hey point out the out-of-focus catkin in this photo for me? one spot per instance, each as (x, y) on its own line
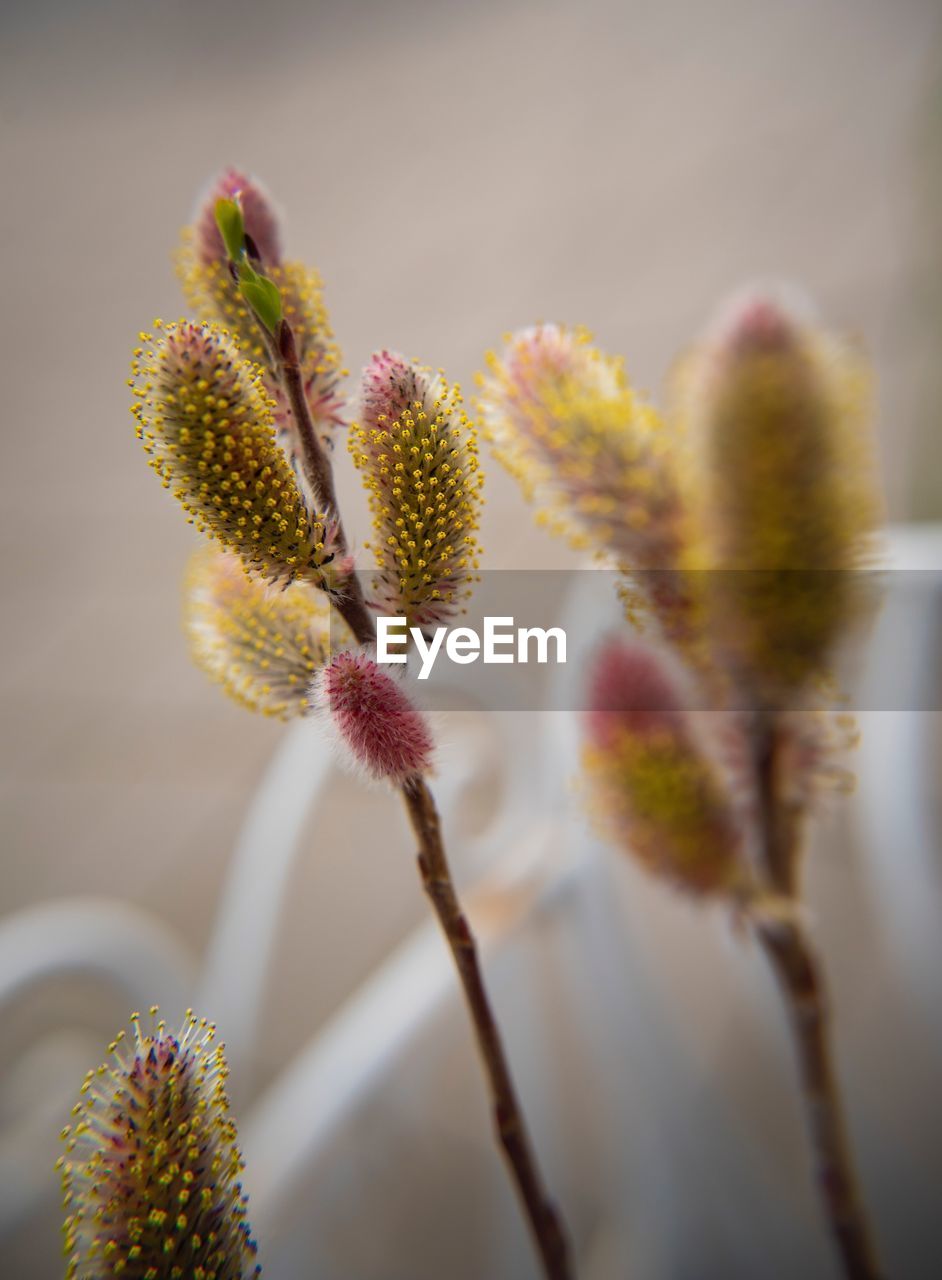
(778, 413)
(595, 458)
(654, 781)
(263, 645)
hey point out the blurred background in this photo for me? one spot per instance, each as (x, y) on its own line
(454, 171)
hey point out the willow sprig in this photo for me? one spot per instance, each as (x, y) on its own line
(761, 502)
(207, 415)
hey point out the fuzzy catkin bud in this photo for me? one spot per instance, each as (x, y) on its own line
(152, 1165)
(656, 791)
(417, 452)
(214, 296)
(264, 646)
(594, 457)
(383, 731)
(261, 221)
(779, 413)
(205, 419)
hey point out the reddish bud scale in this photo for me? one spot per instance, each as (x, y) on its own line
(261, 221)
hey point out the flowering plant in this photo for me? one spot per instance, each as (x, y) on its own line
(737, 525)
(237, 409)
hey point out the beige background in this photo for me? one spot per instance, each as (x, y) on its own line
(454, 170)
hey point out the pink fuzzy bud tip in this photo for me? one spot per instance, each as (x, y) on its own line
(390, 385)
(261, 223)
(545, 351)
(377, 722)
(629, 689)
(760, 319)
(657, 785)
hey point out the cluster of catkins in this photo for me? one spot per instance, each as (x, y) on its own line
(212, 413)
(739, 522)
(151, 1174)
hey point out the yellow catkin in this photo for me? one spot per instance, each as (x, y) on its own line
(417, 453)
(205, 418)
(779, 413)
(596, 460)
(264, 646)
(661, 776)
(564, 421)
(152, 1170)
(659, 799)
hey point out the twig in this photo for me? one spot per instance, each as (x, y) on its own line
(320, 477)
(801, 982)
(317, 469)
(545, 1223)
(508, 1118)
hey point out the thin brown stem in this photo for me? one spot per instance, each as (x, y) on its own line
(511, 1130)
(319, 474)
(782, 819)
(801, 981)
(317, 469)
(509, 1123)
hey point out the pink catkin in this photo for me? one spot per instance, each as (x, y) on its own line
(629, 689)
(384, 732)
(261, 222)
